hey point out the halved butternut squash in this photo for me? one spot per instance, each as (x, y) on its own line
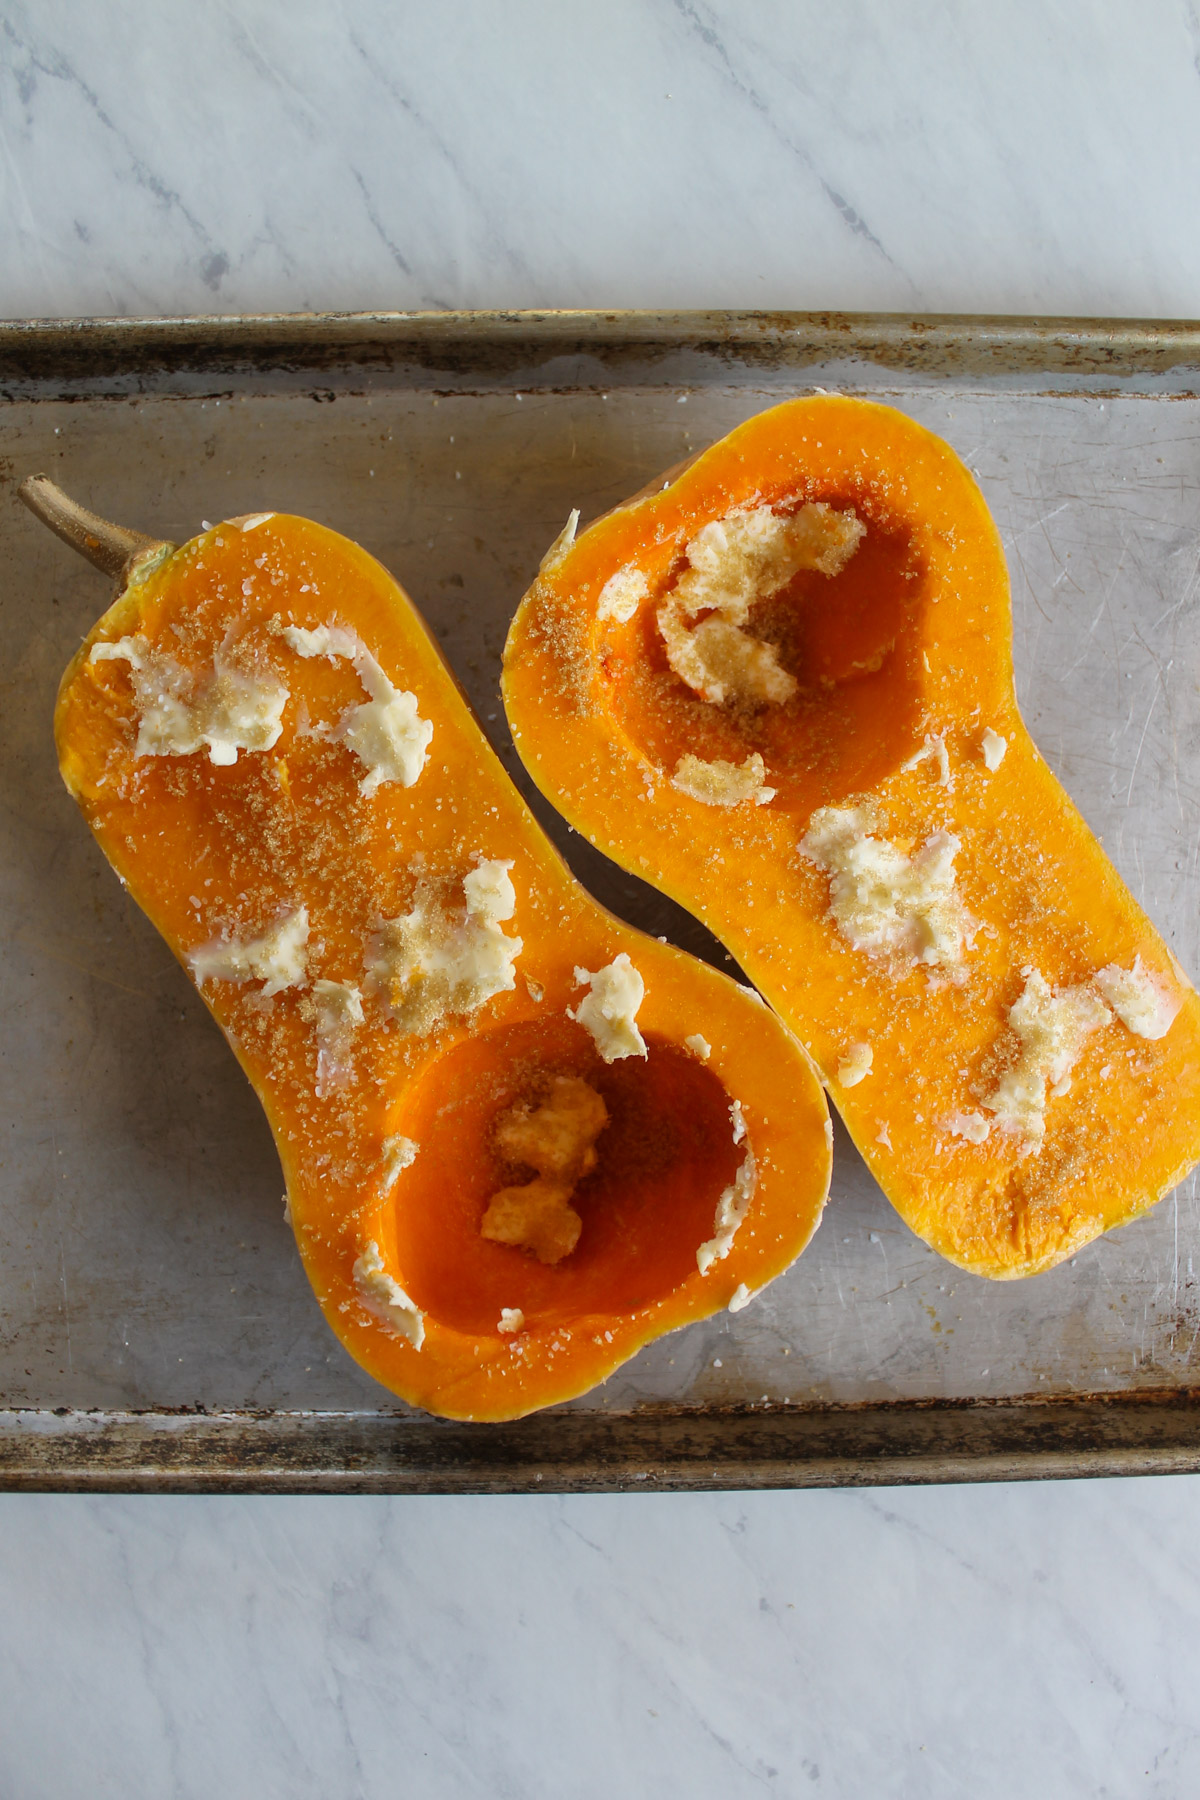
(779, 688)
(519, 1138)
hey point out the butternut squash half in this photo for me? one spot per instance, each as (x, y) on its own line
(520, 1139)
(779, 687)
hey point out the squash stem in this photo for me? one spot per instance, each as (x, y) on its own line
(110, 548)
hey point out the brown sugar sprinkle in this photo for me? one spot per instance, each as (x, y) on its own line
(557, 624)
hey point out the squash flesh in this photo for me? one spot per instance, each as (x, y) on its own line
(212, 851)
(904, 669)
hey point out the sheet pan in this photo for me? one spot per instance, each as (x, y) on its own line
(156, 1330)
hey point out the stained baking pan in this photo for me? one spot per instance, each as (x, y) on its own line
(156, 1330)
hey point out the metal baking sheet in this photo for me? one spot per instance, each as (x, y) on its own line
(156, 1329)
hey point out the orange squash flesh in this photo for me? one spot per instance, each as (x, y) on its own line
(910, 644)
(214, 852)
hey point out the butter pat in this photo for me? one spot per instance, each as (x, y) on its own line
(558, 1137)
(734, 1203)
(972, 1126)
(536, 1216)
(386, 1300)
(933, 749)
(609, 1011)
(561, 544)
(723, 783)
(277, 958)
(335, 1008)
(886, 903)
(386, 733)
(180, 712)
(1141, 1001)
(993, 747)
(558, 1141)
(1052, 1028)
(399, 1153)
(438, 960)
(622, 594)
(332, 641)
(855, 1065)
(733, 562)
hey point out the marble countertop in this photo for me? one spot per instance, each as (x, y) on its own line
(1036, 157)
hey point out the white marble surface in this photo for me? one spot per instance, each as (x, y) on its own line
(1003, 1644)
(1035, 156)
(1038, 155)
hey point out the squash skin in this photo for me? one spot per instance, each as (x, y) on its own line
(598, 719)
(288, 826)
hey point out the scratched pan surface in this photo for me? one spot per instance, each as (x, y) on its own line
(144, 1261)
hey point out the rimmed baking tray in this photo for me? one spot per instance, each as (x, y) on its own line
(156, 1331)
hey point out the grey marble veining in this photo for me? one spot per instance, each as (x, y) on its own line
(1035, 156)
(994, 1643)
(923, 1645)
